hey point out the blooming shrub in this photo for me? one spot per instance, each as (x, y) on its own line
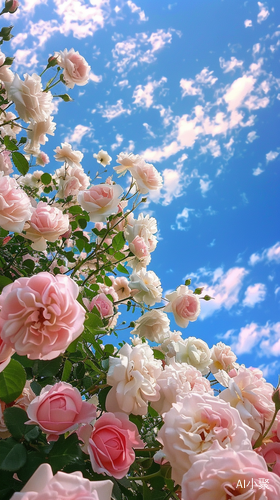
(82, 418)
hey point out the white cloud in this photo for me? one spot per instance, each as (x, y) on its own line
(29, 5)
(272, 155)
(252, 136)
(18, 39)
(149, 130)
(205, 185)
(224, 287)
(43, 30)
(257, 171)
(213, 147)
(271, 254)
(254, 294)
(248, 23)
(123, 83)
(263, 13)
(131, 52)
(173, 183)
(78, 133)
(95, 78)
(206, 77)
(26, 58)
(81, 19)
(119, 140)
(238, 90)
(183, 218)
(144, 95)
(231, 65)
(256, 48)
(266, 337)
(133, 7)
(113, 111)
(188, 87)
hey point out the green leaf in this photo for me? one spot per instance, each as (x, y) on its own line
(12, 455)
(46, 178)
(107, 281)
(152, 412)
(20, 162)
(118, 241)
(76, 209)
(80, 245)
(122, 269)
(93, 321)
(8, 61)
(158, 354)
(65, 451)
(12, 381)
(4, 281)
(82, 223)
(47, 368)
(15, 419)
(66, 371)
(102, 397)
(34, 459)
(10, 145)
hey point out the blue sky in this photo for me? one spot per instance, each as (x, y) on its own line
(195, 88)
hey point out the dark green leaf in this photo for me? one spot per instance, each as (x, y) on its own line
(118, 241)
(207, 297)
(188, 282)
(93, 321)
(122, 269)
(65, 97)
(20, 162)
(80, 245)
(46, 178)
(4, 281)
(47, 368)
(64, 452)
(10, 145)
(66, 370)
(12, 455)
(8, 61)
(15, 419)
(12, 381)
(75, 209)
(82, 223)
(102, 397)
(198, 291)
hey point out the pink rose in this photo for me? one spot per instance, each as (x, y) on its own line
(103, 304)
(40, 316)
(43, 485)
(220, 474)
(271, 454)
(76, 69)
(111, 444)
(184, 304)
(31, 103)
(5, 355)
(147, 177)
(47, 223)
(100, 201)
(58, 409)
(15, 205)
(5, 163)
(42, 159)
(139, 247)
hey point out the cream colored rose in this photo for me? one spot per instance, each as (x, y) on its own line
(153, 325)
(195, 352)
(66, 154)
(222, 358)
(15, 205)
(6, 75)
(103, 158)
(148, 285)
(32, 104)
(36, 135)
(133, 376)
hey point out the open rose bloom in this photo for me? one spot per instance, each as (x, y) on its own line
(43, 485)
(40, 316)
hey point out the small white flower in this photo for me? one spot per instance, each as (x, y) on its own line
(103, 158)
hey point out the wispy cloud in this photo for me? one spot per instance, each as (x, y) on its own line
(78, 133)
(143, 95)
(133, 7)
(248, 23)
(266, 337)
(252, 136)
(111, 111)
(271, 254)
(254, 294)
(263, 12)
(230, 65)
(119, 140)
(272, 155)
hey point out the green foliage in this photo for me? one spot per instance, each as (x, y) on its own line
(12, 381)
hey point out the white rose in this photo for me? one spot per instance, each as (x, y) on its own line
(195, 352)
(15, 205)
(6, 75)
(133, 378)
(66, 154)
(153, 325)
(149, 286)
(36, 135)
(145, 227)
(103, 158)
(222, 358)
(32, 104)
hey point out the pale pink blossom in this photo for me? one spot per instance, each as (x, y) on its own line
(42, 159)
(133, 376)
(178, 379)
(121, 287)
(15, 205)
(36, 135)
(47, 223)
(191, 426)
(71, 181)
(184, 304)
(44, 486)
(66, 154)
(103, 304)
(144, 227)
(222, 358)
(31, 103)
(139, 248)
(59, 408)
(127, 162)
(147, 178)
(75, 68)
(5, 162)
(251, 395)
(154, 325)
(103, 158)
(220, 474)
(111, 443)
(6, 75)
(100, 201)
(11, 127)
(40, 316)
